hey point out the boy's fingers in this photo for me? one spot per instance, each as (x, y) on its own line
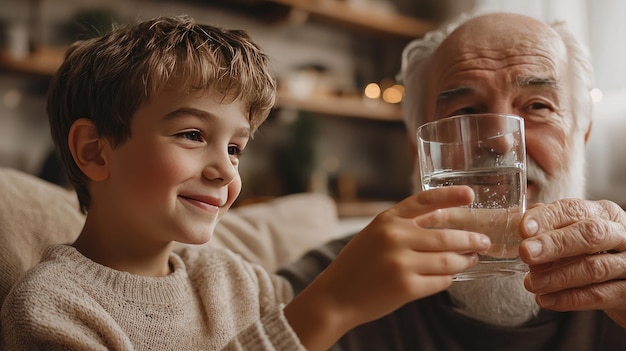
(451, 240)
(431, 200)
(445, 263)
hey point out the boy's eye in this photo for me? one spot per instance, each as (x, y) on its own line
(192, 135)
(234, 150)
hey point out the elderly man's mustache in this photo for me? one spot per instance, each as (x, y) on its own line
(535, 174)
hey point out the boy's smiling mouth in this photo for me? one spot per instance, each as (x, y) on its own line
(208, 203)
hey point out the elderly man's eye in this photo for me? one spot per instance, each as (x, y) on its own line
(465, 111)
(538, 106)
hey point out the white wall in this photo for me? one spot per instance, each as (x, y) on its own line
(607, 33)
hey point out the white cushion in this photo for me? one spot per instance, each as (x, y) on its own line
(35, 213)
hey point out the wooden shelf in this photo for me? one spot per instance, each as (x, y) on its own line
(341, 12)
(45, 62)
(342, 107)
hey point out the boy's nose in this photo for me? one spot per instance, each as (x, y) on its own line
(220, 169)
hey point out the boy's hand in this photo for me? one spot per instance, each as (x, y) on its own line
(397, 258)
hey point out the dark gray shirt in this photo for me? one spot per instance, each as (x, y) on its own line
(432, 324)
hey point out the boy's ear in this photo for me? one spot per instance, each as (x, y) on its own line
(87, 149)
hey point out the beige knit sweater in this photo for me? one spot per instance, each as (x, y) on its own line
(212, 300)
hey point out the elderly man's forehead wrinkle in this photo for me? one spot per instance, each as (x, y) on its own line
(468, 46)
(541, 82)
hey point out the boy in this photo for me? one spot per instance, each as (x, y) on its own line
(150, 121)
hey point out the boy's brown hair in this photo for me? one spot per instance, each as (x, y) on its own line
(107, 79)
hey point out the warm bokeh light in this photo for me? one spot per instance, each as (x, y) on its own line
(372, 91)
(393, 94)
(596, 95)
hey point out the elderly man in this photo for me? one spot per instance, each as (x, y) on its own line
(574, 297)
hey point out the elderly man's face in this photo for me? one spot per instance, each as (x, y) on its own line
(505, 63)
(492, 66)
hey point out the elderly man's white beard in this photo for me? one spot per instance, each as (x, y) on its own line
(504, 300)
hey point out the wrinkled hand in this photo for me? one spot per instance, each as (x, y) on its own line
(397, 258)
(576, 251)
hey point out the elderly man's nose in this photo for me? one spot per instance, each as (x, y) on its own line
(497, 136)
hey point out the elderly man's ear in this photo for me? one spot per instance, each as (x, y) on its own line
(88, 149)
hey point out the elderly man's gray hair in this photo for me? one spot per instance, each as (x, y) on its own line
(417, 52)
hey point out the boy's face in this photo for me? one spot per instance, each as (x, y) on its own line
(178, 173)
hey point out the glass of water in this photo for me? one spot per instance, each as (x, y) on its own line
(486, 152)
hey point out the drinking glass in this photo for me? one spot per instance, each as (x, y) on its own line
(486, 152)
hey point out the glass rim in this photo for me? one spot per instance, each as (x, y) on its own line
(463, 116)
(487, 114)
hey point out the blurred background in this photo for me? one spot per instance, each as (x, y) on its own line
(336, 127)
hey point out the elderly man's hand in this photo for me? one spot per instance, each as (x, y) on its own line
(576, 251)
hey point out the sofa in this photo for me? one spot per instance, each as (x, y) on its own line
(35, 213)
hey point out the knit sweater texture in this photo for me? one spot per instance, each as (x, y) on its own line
(213, 300)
